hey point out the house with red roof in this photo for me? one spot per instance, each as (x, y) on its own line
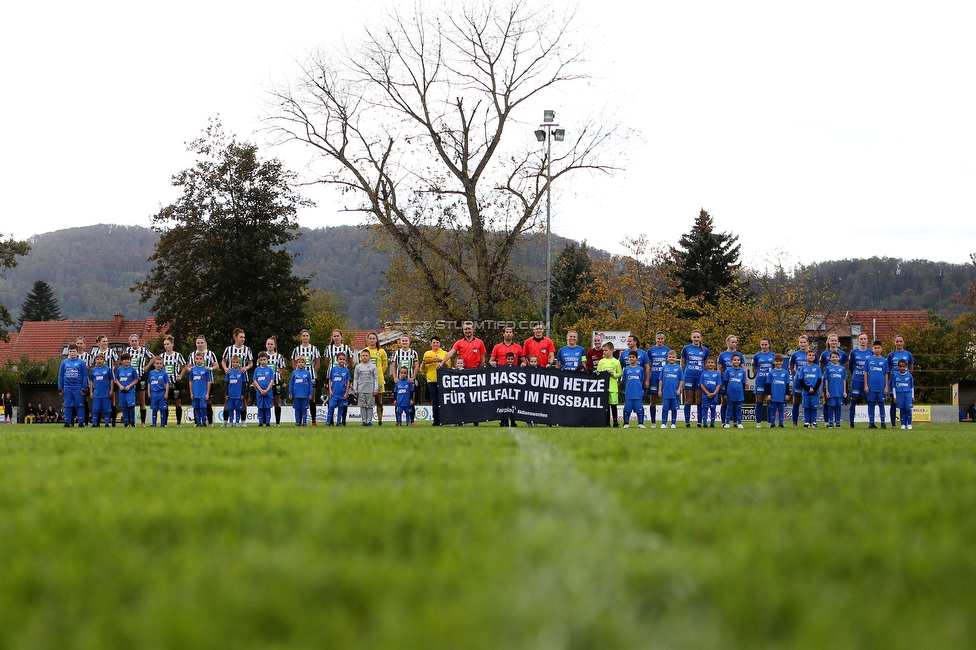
(42, 340)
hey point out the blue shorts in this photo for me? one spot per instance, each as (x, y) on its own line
(655, 381)
(835, 401)
(760, 388)
(904, 400)
(876, 396)
(692, 380)
(857, 387)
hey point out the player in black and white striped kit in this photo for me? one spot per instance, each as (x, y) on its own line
(331, 354)
(404, 357)
(313, 360)
(210, 361)
(175, 366)
(242, 352)
(111, 360)
(141, 357)
(276, 362)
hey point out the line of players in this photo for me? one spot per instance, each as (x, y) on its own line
(718, 381)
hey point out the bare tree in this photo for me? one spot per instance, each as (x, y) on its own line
(416, 122)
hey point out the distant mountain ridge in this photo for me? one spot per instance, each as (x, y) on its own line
(91, 269)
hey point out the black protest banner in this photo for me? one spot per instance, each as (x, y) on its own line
(539, 395)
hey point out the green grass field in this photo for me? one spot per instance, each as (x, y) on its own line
(487, 538)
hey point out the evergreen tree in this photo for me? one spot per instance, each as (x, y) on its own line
(572, 271)
(10, 249)
(706, 261)
(220, 262)
(40, 304)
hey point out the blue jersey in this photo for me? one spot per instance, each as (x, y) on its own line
(735, 384)
(877, 373)
(857, 364)
(73, 375)
(339, 381)
(633, 378)
(101, 381)
(809, 377)
(658, 356)
(902, 382)
(300, 384)
(710, 380)
(125, 376)
(264, 377)
(570, 358)
(778, 382)
(200, 378)
(797, 360)
(158, 380)
(235, 383)
(404, 392)
(671, 377)
(836, 378)
(762, 363)
(903, 355)
(825, 357)
(642, 358)
(725, 360)
(693, 359)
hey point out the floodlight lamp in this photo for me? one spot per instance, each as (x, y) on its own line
(548, 116)
(559, 134)
(540, 135)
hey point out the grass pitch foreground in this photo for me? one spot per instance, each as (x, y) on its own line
(487, 538)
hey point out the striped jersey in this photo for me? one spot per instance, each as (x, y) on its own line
(276, 362)
(111, 358)
(332, 351)
(310, 353)
(173, 363)
(243, 353)
(140, 358)
(401, 358)
(209, 358)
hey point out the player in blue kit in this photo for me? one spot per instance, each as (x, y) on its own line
(762, 363)
(72, 382)
(835, 389)
(876, 383)
(724, 363)
(570, 356)
(809, 379)
(339, 381)
(403, 389)
(633, 380)
(833, 345)
(902, 393)
(734, 379)
(710, 383)
(299, 389)
(234, 404)
(777, 390)
(158, 383)
(797, 360)
(692, 363)
(857, 365)
(127, 380)
(102, 386)
(201, 380)
(264, 383)
(658, 356)
(896, 355)
(669, 387)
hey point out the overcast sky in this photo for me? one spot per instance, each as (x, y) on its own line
(831, 130)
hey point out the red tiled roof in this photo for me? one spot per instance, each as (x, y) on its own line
(7, 347)
(41, 340)
(882, 325)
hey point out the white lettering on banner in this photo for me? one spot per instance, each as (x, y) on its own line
(450, 380)
(582, 385)
(491, 395)
(574, 401)
(545, 381)
(503, 377)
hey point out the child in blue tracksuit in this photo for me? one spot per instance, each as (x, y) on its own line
(404, 396)
(902, 393)
(633, 379)
(835, 379)
(710, 383)
(299, 389)
(809, 378)
(102, 387)
(264, 380)
(735, 389)
(670, 387)
(778, 383)
(72, 381)
(340, 380)
(235, 394)
(159, 392)
(201, 380)
(876, 383)
(127, 378)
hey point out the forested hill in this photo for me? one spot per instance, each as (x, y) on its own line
(92, 268)
(894, 284)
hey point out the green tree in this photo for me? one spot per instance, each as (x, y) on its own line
(422, 123)
(39, 305)
(572, 272)
(706, 262)
(220, 262)
(324, 313)
(10, 249)
(945, 352)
